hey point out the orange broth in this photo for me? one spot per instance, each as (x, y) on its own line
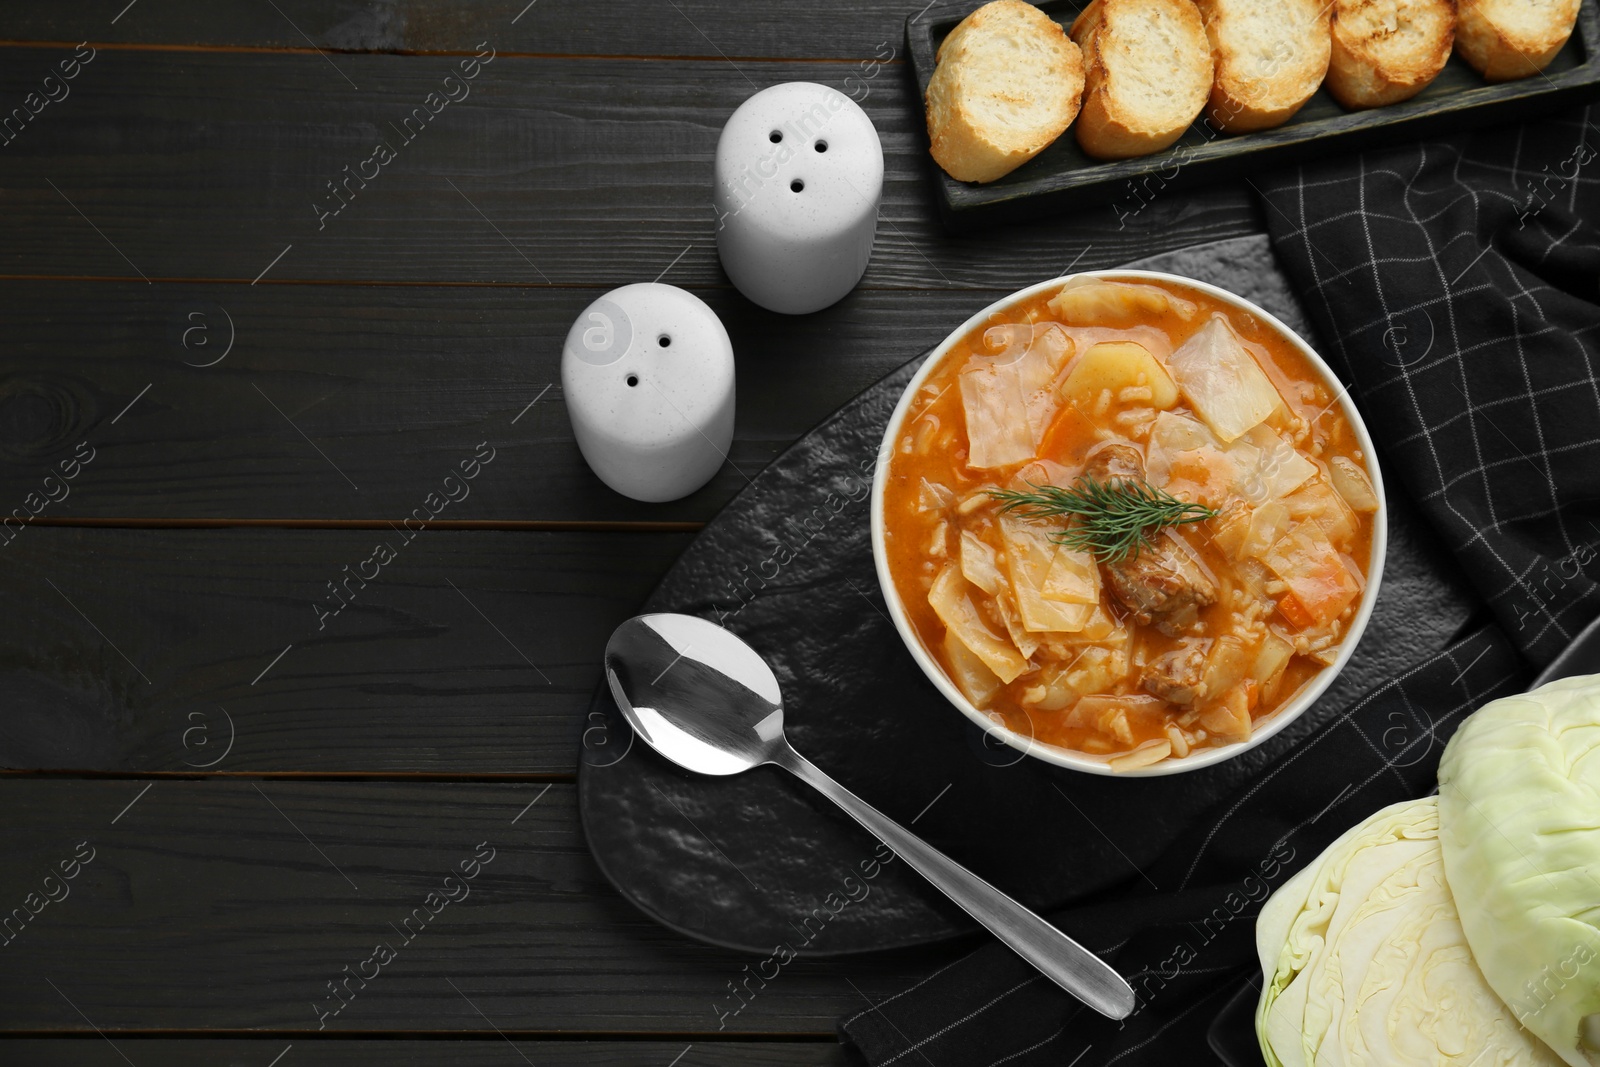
(1256, 613)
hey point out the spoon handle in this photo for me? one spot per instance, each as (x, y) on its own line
(1061, 959)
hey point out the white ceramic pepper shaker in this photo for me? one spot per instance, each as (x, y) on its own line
(798, 178)
(648, 375)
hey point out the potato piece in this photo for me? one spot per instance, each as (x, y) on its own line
(1116, 304)
(1116, 365)
(1353, 484)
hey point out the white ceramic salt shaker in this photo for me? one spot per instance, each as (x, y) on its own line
(798, 178)
(648, 375)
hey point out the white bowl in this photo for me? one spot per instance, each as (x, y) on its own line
(1082, 761)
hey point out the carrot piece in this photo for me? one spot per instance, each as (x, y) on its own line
(1068, 437)
(1252, 694)
(1290, 608)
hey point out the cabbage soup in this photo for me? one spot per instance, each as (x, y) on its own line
(1128, 519)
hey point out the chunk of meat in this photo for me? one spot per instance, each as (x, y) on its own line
(1161, 585)
(1114, 464)
(1176, 676)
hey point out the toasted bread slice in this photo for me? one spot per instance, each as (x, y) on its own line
(1385, 51)
(1506, 39)
(1007, 84)
(1147, 74)
(1270, 57)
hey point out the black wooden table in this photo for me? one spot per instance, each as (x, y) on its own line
(223, 383)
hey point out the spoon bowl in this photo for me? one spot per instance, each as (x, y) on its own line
(695, 693)
(708, 702)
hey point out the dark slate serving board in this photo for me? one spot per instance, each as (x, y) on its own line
(757, 860)
(1064, 178)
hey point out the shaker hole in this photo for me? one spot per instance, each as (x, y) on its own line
(797, 185)
(665, 340)
(775, 136)
(821, 146)
(633, 380)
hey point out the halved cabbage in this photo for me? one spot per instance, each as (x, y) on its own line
(1223, 381)
(1519, 799)
(1366, 962)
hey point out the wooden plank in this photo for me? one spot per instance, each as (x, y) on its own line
(238, 903)
(827, 29)
(488, 1051)
(149, 650)
(392, 387)
(563, 172)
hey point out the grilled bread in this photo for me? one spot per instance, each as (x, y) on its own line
(1506, 39)
(1385, 51)
(1007, 84)
(1270, 57)
(1147, 74)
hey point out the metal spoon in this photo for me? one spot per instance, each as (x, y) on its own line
(708, 702)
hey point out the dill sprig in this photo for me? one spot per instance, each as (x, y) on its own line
(1113, 521)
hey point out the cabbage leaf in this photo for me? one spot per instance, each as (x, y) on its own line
(1007, 398)
(1519, 798)
(1223, 381)
(951, 600)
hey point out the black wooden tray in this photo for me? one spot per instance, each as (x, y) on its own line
(757, 860)
(1063, 178)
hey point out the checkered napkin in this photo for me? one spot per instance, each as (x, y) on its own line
(1458, 285)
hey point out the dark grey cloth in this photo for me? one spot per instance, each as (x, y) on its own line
(1457, 285)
